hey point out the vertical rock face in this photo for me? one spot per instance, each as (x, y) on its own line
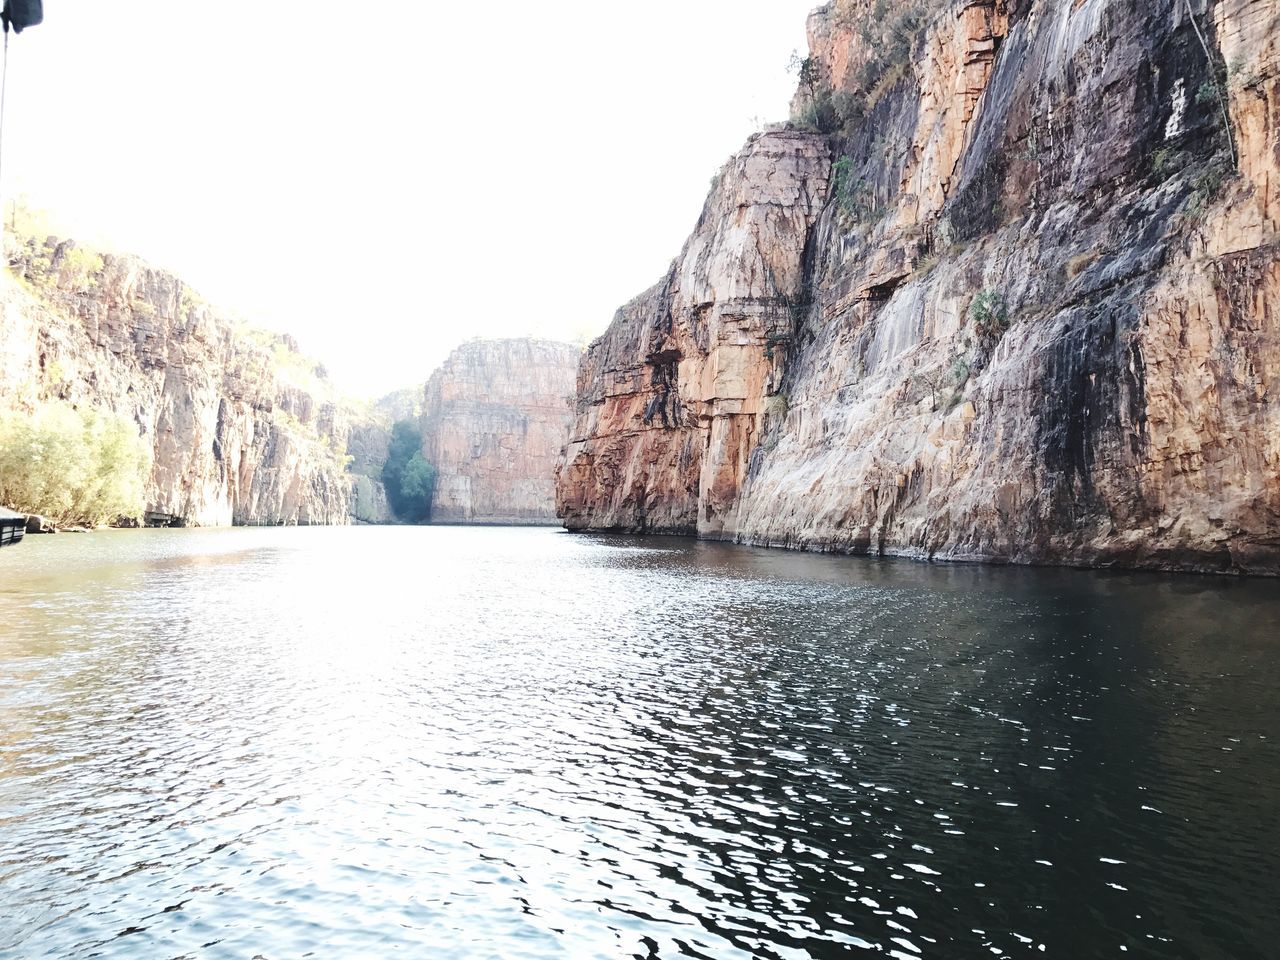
(495, 417)
(1034, 304)
(243, 428)
(671, 400)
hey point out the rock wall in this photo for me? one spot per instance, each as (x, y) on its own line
(495, 417)
(672, 398)
(243, 428)
(1011, 298)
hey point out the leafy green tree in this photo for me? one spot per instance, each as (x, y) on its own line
(409, 479)
(808, 71)
(417, 484)
(72, 465)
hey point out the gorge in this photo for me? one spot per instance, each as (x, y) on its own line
(1003, 289)
(244, 429)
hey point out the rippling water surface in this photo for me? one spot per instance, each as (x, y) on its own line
(456, 743)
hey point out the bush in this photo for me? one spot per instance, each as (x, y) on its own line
(819, 116)
(1079, 264)
(1207, 93)
(79, 269)
(854, 195)
(990, 314)
(1207, 187)
(73, 466)
(1167, 161)
(409, 479)
(889, 31)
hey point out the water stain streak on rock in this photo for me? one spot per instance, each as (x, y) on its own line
(1020, 307)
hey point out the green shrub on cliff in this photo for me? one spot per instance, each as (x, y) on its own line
(79, 269)
(73, 466)
(409, 479)
(889, 31)
(818, 113)
(990, 314)
(853, 195)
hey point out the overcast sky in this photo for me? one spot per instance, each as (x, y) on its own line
(386, 180)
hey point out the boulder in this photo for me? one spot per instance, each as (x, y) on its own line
(39, 524)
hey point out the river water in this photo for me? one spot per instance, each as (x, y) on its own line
(509, 743)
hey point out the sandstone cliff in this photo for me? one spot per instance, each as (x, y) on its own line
(495, 417)
(1005, 289)
(243, 428)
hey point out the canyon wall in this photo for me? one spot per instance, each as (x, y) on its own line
(495, 417)
(243, 428)
(1006, 288)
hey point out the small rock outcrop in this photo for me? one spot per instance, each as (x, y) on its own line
(495, 417)
(1005, 289)
(243, 428)
(38, 524)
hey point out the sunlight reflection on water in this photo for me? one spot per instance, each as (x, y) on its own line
(520, 743)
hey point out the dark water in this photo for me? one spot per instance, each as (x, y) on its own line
(517, 743)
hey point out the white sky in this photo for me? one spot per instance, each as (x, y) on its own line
(387, 180)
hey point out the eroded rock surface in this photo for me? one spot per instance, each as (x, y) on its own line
(495, 417)
(1021, 306)
(243, 428)
(671, 400)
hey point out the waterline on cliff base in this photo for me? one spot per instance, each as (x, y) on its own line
(520, 743)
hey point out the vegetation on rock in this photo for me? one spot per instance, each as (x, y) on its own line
(888, 32)
(408, 478)
(990, 313)
(853, 195)
(245, 428)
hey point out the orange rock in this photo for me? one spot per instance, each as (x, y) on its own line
(495, 417)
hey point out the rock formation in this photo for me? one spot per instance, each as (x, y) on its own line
(1006, 290)
(495, 417)
(243, 428)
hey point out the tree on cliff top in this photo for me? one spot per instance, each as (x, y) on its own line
(409, 479)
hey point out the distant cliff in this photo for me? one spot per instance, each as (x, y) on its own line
(1005, 288)
(243, 428)
(495, 417)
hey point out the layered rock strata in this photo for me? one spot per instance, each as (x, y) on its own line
(243, 428)
(495, 417)
(1012, 297)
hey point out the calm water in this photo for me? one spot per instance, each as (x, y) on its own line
(519, 743)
